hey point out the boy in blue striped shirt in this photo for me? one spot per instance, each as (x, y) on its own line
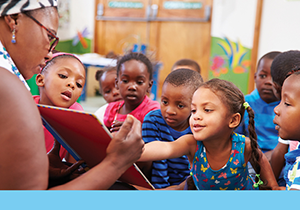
(171, 122)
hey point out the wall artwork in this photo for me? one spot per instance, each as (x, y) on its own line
(232, 40)
(75, 26)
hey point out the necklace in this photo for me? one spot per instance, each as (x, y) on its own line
(12, 66)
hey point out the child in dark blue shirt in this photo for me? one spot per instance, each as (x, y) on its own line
(171, 122)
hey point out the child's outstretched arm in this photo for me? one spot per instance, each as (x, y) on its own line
(158, 150)
(266, 172)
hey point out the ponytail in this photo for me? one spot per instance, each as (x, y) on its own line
(255, 154)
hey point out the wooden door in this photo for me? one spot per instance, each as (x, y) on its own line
(171, 34)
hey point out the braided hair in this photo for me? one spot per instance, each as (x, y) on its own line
(56, 57)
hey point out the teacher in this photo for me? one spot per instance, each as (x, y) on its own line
(27, 37)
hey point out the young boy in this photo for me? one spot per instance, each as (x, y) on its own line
(287, 123)
(170, 122)
(282, 65)
(187, 64)
(263, 101)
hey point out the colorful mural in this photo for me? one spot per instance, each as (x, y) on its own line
(230, 60)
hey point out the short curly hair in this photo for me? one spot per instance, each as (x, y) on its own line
(136, 56)
(187, 62)
(184, 77)
(283, 64)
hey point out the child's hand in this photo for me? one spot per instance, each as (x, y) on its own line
(59, 170)
(116, 126)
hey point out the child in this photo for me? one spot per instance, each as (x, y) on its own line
(218, 156)
(287, 123)
(281, 66)
(107, 80)
(60, 84)
(187, 64)
(134, 81)
(263, 101)
(171, 122)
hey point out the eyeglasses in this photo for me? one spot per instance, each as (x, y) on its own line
(53, 39)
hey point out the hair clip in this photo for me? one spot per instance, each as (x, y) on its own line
(259, 181)
(246, 105)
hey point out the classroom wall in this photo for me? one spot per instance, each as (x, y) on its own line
(75, 15)
(76, 26)
(168, 38)
(279, 26)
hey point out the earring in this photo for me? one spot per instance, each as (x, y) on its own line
(13, 38)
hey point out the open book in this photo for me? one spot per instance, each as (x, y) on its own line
(86, 138)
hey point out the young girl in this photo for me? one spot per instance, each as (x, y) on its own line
(60, 84)
(134, 81)
(107, 83)
(287, 124)
(218, 156)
